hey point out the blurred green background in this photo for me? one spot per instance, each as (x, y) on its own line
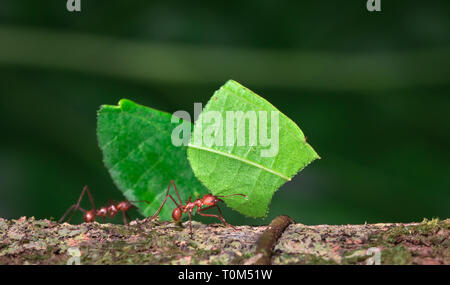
(370, 91)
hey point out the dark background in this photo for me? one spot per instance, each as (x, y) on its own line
(370, 91)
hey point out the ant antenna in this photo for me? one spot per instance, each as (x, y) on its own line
(140, 201)
(224, 196)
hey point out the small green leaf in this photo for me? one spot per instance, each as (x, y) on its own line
(139, 154)
(228, 169)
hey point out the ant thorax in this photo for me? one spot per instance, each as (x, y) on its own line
(112, 210)
(190, 206)
(198, 203)
(102, 212)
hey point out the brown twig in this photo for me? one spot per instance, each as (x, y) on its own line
(268, 240)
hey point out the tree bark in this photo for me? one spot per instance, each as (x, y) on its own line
(30, 241)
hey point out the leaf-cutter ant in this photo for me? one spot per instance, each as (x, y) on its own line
(208, 200)
(108, 211)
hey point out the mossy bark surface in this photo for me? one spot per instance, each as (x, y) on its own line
(30, 241)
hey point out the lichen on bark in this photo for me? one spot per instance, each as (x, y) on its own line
(31, 241)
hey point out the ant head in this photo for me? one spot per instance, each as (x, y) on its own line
(124, 206)
(89, 216)
(176, 214)
(210, 200)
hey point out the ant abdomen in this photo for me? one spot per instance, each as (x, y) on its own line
(89, 216)
(176, 214)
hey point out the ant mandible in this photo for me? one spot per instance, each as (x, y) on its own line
(208, 200)
(109, 211)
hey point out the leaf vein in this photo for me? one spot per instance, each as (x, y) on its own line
(242, 160)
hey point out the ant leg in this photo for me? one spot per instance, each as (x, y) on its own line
(90, 197)
(176, 191)
(170, 196)
(125, 216)
(85, 189)
(160, 207)
(190, 224)
(165, 199)
(67, 212)
(220, 216)
(140, 201)
(74, 208)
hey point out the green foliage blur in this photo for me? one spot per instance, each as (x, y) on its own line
(369, 90)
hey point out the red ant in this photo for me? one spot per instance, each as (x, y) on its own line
(208, 200)
(109, 211)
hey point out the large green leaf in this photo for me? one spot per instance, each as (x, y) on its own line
(139, 154)
(229, 169)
